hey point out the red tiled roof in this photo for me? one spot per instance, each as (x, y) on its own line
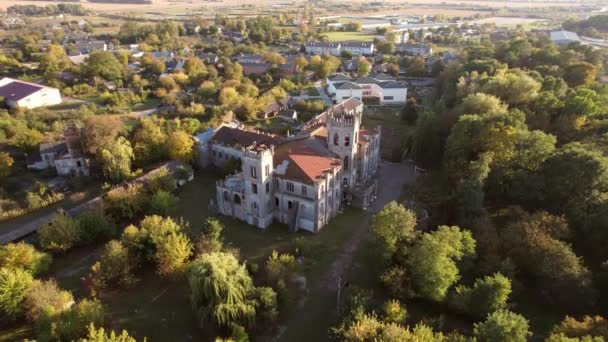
(304, 164)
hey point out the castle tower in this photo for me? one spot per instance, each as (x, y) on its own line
(342, 138)
(257, 168)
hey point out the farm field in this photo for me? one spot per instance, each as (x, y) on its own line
(352, 36)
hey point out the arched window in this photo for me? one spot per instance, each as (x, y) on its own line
(336, 139)
(346, 163)
(237, 199)
(347, 140)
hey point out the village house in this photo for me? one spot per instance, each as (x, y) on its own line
(336, 48)
(323, 48)
(28, 95)
(302, 181)
(418, 50)
(384, 88)
(85, 48)
(65, 155)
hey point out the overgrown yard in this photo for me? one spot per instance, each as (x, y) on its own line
(396, 133)
(159, 309)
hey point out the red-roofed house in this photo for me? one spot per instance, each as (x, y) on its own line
(27, 95)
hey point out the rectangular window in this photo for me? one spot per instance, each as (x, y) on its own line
(290, 187)
(254, 188)
(276, 184)
(304, 190)
(254, 172)
(268, 187)
(267, 170)
(388, 97)
(276, 202)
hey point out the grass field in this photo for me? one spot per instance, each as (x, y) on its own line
(353, 36)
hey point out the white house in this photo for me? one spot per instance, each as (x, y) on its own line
(358, 48)
(385, 88)
(323, 48)
(419, 50)
(27, 95)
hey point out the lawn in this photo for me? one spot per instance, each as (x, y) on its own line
(338, 36)
(395, 132)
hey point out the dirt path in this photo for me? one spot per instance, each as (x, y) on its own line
(392, 178)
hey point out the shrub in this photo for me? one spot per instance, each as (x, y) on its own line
(114, 268)
(70, 324)
(46, 296)
(172, 254)
(25, 256)
(502, 326)
(100, 335)
(211, 238)
(122, 204)
(94, 224)
(59, 235)
(161, 203)
(394, 312)
(14, 285)
(279, 266)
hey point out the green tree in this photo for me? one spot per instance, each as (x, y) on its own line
(581, 73)
(115, 267)
(221, 291)
(59, 235)
(148, 142)
(393, 225)
(162, 203)
(116, 160)
(24, 256)
(211, 238)
(54, 59)
(103, 64)
(433, 260)
(364, 67)
(487, 295)
(180, 146)
(27, 139)
(14, 285)
(6, 162)
(95, 224)
(502, 326)
(100, 335)
(194, 66)
(233, 71)
(173, 253)
(416, 68)
(570, 327)
(572, 175)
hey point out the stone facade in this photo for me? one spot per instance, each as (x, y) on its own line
(301, 181)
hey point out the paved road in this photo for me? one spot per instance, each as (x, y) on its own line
(322, 93)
